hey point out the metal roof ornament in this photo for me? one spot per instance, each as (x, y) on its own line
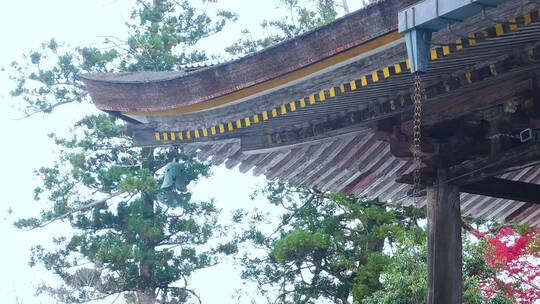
(173, 177)
(174, 190)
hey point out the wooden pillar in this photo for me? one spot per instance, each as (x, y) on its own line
(445, 284)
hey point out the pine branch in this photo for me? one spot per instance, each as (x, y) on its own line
(44, 111)
(80, 209)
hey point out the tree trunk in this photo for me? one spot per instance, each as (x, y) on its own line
(445, 285)
(144, 298)
(147, 288)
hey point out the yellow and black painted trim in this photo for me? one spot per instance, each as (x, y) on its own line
(403, 101)
(358, 83)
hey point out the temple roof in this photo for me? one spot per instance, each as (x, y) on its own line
(293, 59)
(318, 110)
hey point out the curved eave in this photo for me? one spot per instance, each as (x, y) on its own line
(177, 93)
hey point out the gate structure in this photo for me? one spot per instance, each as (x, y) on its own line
(333, 109)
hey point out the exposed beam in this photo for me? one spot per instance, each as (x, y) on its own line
(482, 168)
(479, 176)
(343, 126)
(505, 188)
(477, 97)
(509, 160)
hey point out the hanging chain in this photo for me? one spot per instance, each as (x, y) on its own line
(418, 96)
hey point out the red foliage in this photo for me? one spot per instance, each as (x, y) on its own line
(514, 260)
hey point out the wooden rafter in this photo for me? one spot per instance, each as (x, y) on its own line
(504, 188)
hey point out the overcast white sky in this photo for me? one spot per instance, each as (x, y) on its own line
(24, 24)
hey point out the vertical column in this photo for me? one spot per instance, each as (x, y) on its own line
(445, 284)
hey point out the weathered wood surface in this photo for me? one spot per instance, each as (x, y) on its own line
(323, 162)
(294, 157)
(335, 162)
(445, 285)
(507, 161)
(309, 163)
(488, 93)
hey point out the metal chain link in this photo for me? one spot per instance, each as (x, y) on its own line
(418, 97)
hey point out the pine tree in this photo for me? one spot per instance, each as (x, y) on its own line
(327, 247)
(129, 236)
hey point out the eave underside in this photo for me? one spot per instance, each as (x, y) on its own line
(362, 166)
(356, 161)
